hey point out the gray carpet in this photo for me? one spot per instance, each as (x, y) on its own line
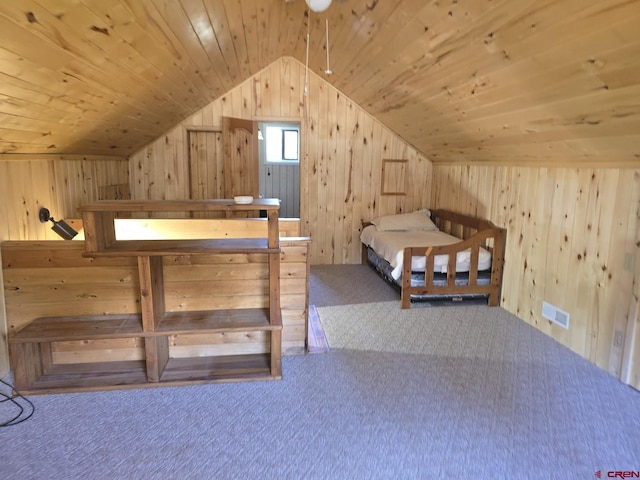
(467, 393)
(514, 387)
(342, 415)
(474, 331)
(347, 284)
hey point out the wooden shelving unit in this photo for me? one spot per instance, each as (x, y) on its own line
(32, 362)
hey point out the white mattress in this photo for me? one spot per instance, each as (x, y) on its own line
(391, 245)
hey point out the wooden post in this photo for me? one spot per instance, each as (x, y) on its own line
(157, 354)
(151, 291)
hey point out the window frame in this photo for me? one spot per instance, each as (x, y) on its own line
(284, 128)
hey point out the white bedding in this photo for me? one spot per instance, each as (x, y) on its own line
(391, 245)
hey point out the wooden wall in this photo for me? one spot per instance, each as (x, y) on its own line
(573, 240)
(53, 278)
(57, 182)
(469, 81)
(4, 347)
(342, 151)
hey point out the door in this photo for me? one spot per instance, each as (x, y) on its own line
(240, 140)
(279, 156)
(205, 168)
(205, 165)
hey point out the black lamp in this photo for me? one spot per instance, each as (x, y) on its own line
(61, 227)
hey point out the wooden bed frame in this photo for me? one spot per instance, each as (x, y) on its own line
(474, 233)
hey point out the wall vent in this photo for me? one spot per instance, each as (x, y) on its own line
(556, 315)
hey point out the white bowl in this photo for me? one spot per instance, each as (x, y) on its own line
(243, 199)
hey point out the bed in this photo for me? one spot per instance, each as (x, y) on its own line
(436, 255)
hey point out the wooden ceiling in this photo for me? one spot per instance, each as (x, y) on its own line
(553, 82)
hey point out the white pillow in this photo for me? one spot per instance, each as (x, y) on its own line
(402, 222)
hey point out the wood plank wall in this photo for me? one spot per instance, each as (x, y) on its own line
(573, 240)
(57, 182)
(4, 345)
(52, 278)
(342, 150)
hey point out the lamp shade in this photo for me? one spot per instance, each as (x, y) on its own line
(318, 5)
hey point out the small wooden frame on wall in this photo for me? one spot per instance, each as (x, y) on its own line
(394, 177)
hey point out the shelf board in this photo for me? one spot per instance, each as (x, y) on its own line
(90, 376)
(86, 327)
(218, 369)
(213, 321)
(179, 205)
(87, 377)
(136, 248)
(34, 356)
(92, 327)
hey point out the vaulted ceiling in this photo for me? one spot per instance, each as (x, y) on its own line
(553, 82)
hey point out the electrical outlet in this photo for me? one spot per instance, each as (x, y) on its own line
(618, 339)
(556, 315)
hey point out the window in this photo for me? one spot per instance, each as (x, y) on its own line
(282, 143)
(290, 145)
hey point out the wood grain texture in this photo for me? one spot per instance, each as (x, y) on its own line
(342, 150)
(240, 159)
(572, 241)
(491, 81)
(155, 325)
(53, 278)
(4, 345)
(59, 183)
(507, 84)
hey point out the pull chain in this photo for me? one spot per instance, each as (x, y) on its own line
(328, 70)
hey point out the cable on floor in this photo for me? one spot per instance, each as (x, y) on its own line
(25, 411)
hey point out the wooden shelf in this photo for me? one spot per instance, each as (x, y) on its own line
(94, 327)
(136, 248)
(86, 377)
(90, 376)
(100, 235)
(130, 206)
(213, 321)
(222, 368)
(34, 353)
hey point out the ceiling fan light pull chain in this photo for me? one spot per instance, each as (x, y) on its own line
(328, 70)
(306, 63)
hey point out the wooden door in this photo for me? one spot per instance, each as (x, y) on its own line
(205, 165)
(241, 168)
(205, 168)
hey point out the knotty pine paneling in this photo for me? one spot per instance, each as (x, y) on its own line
(4, 346)
(53, 278)
(59, 183)
(573, 240)
(527, 83)
(342, 148)
(205, 170)
(551, 83)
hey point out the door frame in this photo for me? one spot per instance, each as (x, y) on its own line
(301, 120)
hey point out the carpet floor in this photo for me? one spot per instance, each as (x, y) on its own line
(512, 385)
(346, 414)
(347, 284)
(457, 392)
(474, 331)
